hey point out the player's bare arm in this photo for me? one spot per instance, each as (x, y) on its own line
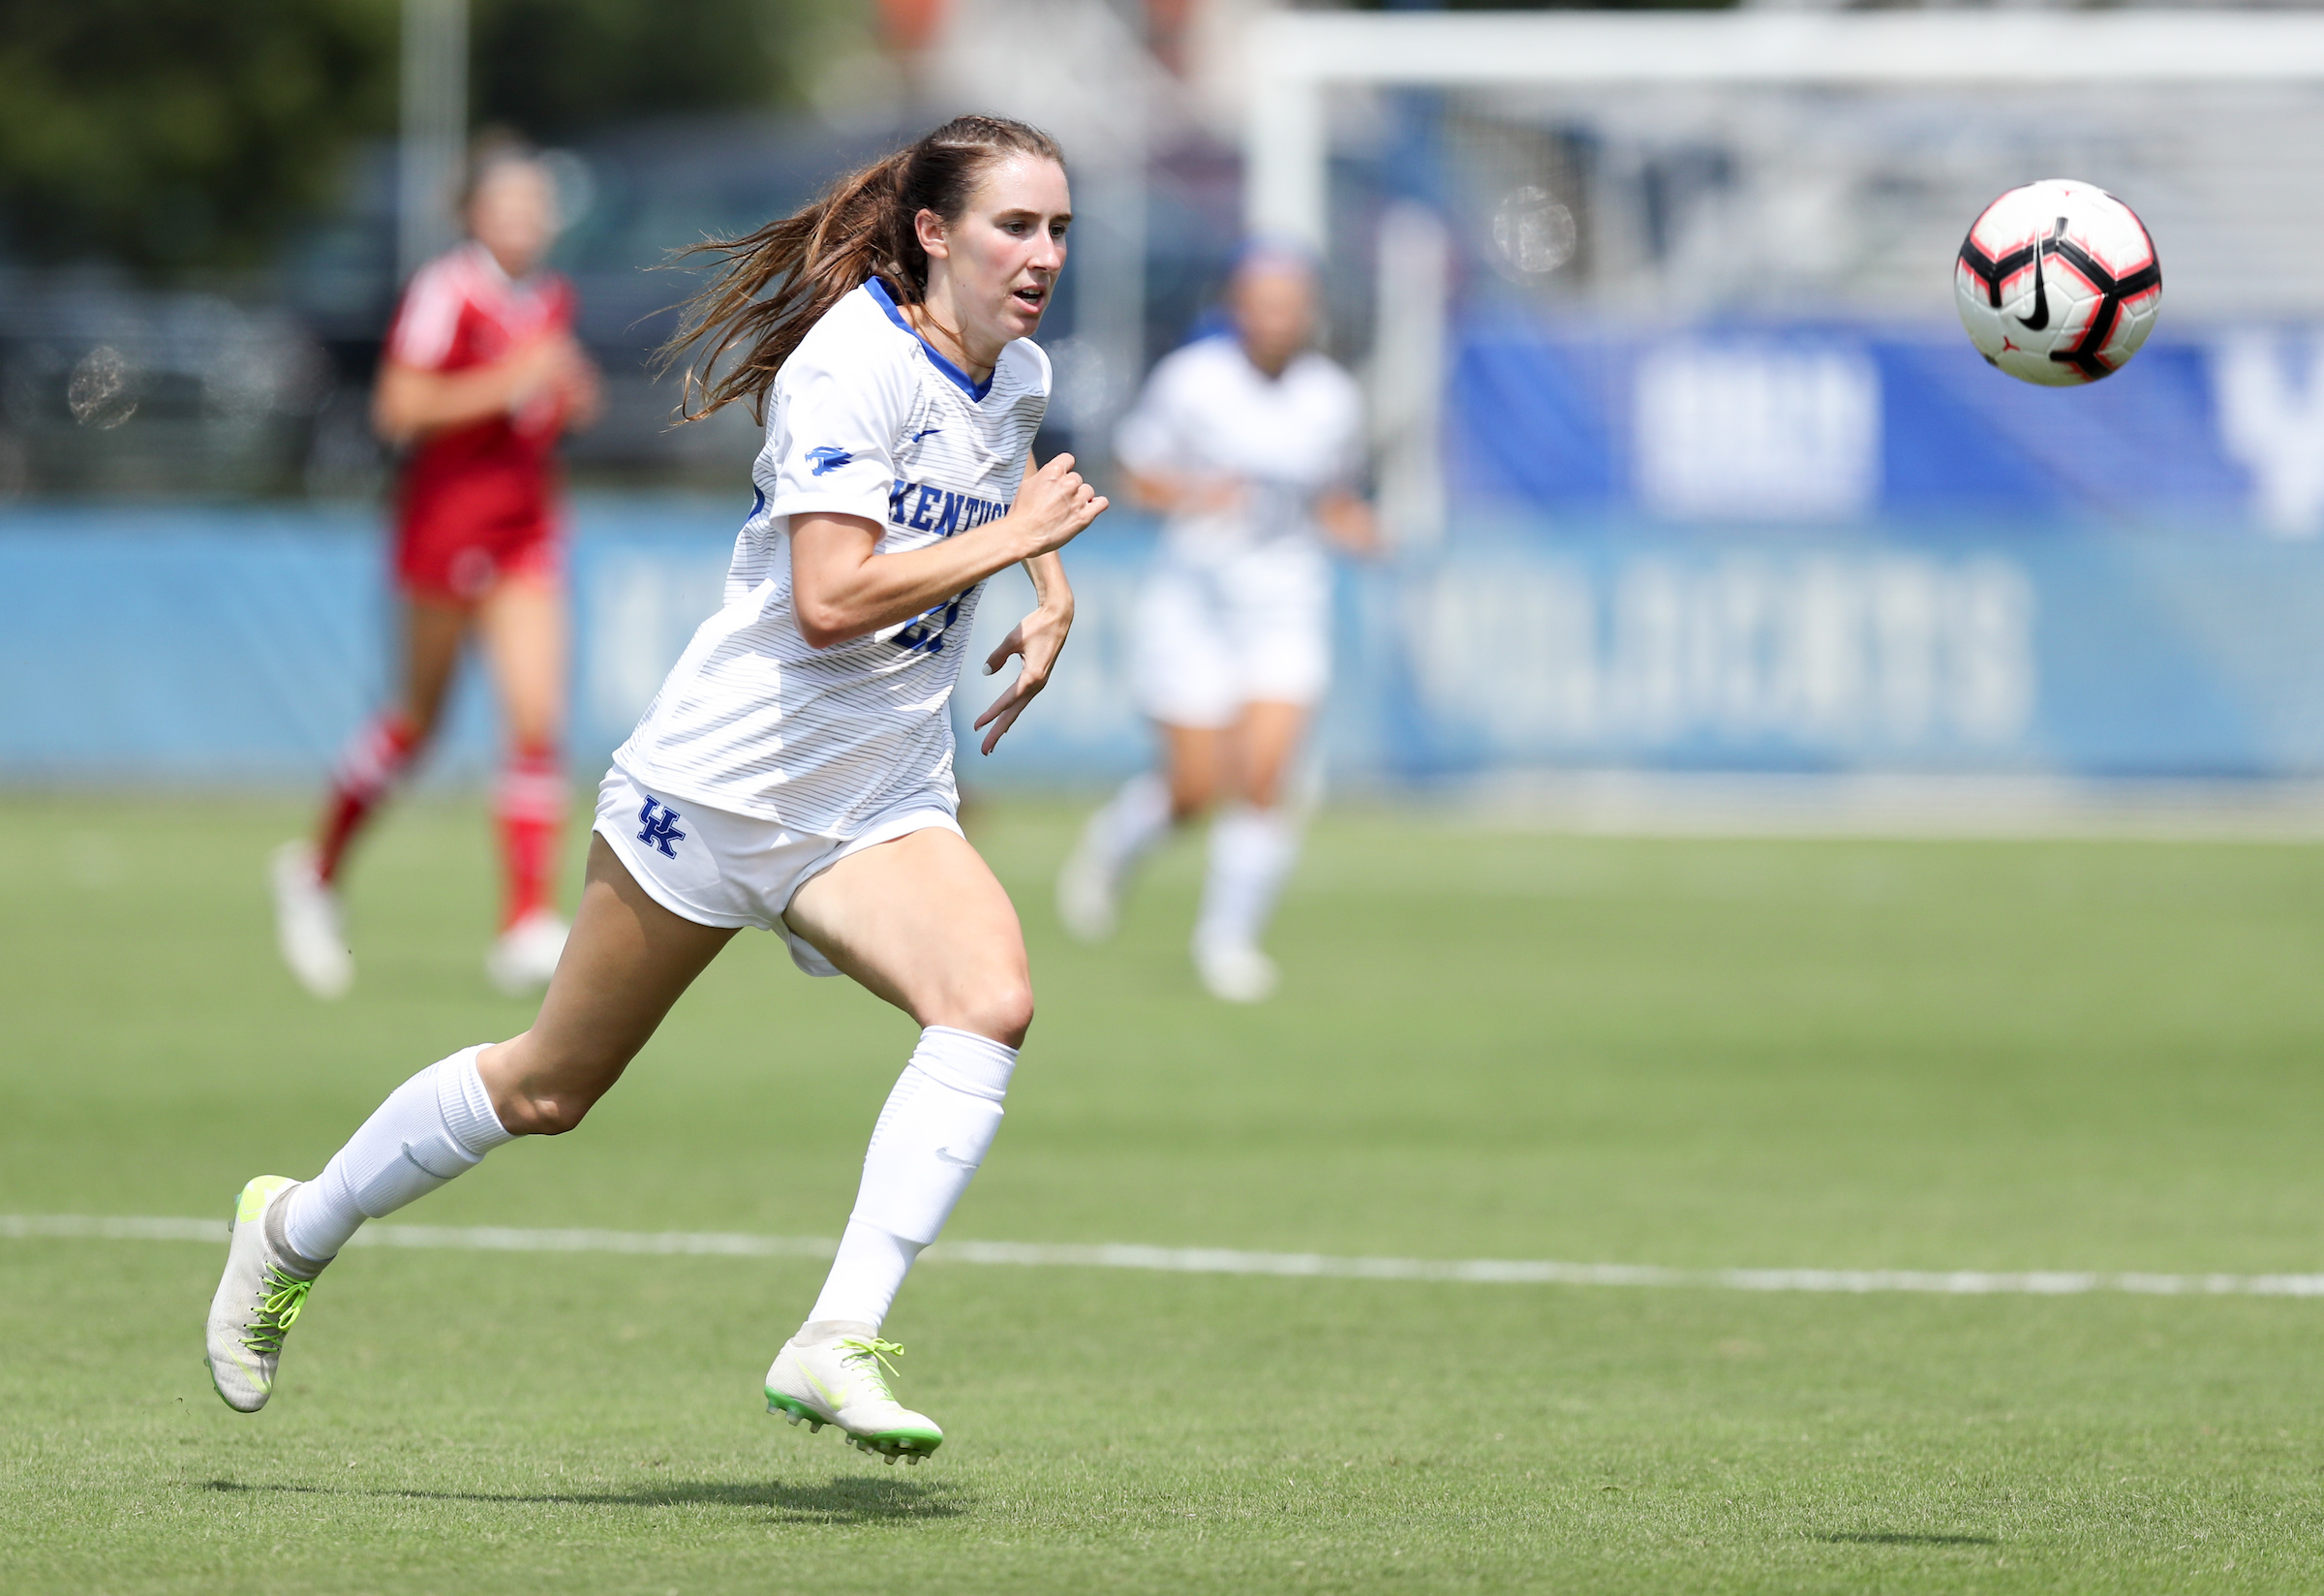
(1036, 640)
(410, 402)
(1168, 493)
(845, 590)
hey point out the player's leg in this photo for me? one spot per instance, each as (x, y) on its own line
(921, 922)
(1263, 746)
(1194, 760)
(1253, 844)
(1184, 684)
(1278, 621)
(1147, 809)
(522, 623)
(626, 962)
(309, 925)
(434, 629)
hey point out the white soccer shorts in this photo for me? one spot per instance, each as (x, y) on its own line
(1213, 637)
(717, 867)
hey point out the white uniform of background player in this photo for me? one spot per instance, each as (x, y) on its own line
(1250, 444)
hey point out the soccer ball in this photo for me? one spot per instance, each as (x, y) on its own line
(2058, 282)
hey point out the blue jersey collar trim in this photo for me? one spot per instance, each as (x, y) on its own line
(878, 291)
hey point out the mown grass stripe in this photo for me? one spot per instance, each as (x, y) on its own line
(1223, 1261)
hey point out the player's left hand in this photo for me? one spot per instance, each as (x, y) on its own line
(1037, 639)
(1352, 524)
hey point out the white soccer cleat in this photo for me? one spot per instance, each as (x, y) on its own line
(843, 1381)
(525, 956)
(308, 925)
(1088, 891)
(259, 1300)
(1236, 972)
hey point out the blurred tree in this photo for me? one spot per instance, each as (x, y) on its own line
(180, 132)
(553, 67)
(1550, 5)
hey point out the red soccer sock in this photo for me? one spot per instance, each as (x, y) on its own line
(367, 766)
(530, 805)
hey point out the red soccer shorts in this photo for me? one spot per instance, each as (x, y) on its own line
(441, 559)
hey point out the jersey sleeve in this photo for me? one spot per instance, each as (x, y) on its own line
(1039, 376)
(842, 405)
(1152, 438)
(427, 320)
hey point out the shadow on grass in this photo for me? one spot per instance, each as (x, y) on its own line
(1890, 1538)
(839, 1501)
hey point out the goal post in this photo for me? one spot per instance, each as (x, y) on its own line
(1297, 58)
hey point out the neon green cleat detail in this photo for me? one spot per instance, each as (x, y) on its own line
(258, 1194)
(843, 1381)
(260, 1297)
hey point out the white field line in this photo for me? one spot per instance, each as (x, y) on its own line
(1220, 1261)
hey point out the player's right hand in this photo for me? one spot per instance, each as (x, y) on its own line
(1054, 505)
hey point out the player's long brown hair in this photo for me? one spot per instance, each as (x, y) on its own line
(775, 284)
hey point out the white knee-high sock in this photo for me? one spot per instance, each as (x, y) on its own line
(1251, 851)
(436, 1125)
(1133, 820)
(931, 1137)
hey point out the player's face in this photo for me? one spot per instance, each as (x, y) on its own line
(1004, 252)
(513, 213)
(1275, 314)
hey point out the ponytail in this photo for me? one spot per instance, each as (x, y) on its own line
(775, 284)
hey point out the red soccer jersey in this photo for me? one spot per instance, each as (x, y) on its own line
(478, 500)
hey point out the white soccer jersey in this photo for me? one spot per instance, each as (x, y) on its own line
(1207, 412)
(864, 420)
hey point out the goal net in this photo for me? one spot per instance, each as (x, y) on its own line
(1658, 321)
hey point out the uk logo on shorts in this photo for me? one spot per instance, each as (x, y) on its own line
(661, 830)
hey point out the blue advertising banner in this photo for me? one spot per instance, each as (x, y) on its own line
(2065, 654)
(245, 645)
(1839, 425)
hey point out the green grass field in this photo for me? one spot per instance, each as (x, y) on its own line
(1491, 1044)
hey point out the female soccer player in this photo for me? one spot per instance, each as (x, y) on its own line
(795, 771)
(1248, 444)
(480, 376)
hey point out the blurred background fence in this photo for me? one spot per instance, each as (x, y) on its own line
(1688, 467)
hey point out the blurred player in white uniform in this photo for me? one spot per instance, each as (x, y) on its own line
(1251, 445)
(795, 772)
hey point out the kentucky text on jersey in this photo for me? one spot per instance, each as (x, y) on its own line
(926, 509)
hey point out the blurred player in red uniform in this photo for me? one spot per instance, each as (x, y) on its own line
(479, 377)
